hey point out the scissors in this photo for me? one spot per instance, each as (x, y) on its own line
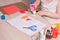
(32, 28)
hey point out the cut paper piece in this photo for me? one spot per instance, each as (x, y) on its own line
(26, 17)
(11, 9)
(23, 11)
(19, 23)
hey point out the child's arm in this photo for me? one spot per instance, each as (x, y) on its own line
(50, 14)
(37, 3)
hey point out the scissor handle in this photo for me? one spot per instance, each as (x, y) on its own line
(33, 27)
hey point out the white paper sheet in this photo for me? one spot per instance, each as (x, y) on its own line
(19, 22)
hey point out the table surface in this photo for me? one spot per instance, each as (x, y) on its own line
(7, 32)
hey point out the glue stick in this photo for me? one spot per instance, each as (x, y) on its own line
(32, 5)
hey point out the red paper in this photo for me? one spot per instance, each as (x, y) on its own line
(23, 11)
(28, 19)
(11, 9)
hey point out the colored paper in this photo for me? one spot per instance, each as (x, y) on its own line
(22, 11)
(11, 9)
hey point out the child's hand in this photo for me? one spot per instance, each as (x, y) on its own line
(41, 13)
(31, 8)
